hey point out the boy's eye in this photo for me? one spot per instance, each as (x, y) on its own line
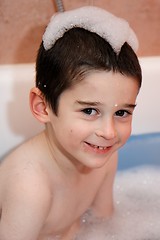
(122, 113)
(90, 111)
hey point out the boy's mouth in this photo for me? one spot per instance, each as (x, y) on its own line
(98, 148)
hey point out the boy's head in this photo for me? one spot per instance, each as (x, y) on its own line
(81, 47)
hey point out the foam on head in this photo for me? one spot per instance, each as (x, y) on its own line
(114, 30)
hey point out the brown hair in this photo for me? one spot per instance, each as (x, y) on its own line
(73, 56)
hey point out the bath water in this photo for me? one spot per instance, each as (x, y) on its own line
(137, 209)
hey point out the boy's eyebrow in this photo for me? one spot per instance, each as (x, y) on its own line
(84, 103)
(130, 105)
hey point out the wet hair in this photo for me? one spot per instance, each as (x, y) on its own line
(76, 54)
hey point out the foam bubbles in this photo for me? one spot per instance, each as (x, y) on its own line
(113, 29)
(137, 209)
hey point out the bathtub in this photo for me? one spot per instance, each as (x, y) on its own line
(17, 123)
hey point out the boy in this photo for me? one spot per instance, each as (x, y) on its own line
(87, 81)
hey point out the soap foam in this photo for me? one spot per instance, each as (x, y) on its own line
(113, 29)
(137, 209)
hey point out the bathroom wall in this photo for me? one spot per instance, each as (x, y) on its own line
(22, 23)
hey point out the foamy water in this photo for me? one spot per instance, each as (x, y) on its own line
(137, 209)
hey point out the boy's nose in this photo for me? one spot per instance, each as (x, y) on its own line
(107, 130)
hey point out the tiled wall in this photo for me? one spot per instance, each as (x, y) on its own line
(22, 23)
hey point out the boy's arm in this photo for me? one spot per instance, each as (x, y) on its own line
(103, 203)
(25, 206)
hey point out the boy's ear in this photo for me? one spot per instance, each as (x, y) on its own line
(38, 105)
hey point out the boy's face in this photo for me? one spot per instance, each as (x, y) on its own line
(94, 118)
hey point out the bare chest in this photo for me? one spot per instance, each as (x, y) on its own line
(71, 200)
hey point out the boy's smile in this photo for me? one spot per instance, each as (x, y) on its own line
(97, 149)
(94, 118)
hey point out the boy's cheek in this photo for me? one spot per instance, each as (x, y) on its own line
(125, 133)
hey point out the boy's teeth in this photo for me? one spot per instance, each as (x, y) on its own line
(101, 148)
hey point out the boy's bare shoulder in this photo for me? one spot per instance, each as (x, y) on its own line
(23, 168)
(25, 192)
